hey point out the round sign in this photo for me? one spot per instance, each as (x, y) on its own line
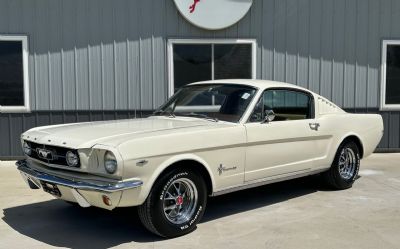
(213, 14)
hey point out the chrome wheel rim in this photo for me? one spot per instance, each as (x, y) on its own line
(347, 163)
(180, 201)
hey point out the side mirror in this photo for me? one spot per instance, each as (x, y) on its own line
(269, 116)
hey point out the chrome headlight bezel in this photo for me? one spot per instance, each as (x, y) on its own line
(110, 162)
(97, 166)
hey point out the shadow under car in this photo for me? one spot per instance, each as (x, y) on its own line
(61, 224)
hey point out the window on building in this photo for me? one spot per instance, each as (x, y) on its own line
(390, 92)
(286, 104)
(199, 60)
(14, 93)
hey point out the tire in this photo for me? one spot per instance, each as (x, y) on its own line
(183, 211)
(343, 172)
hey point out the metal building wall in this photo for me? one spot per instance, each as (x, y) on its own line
(101, 56)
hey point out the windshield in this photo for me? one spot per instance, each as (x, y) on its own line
(225, 102)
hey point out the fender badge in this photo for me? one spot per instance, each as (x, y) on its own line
(221, 169)
(141, 163)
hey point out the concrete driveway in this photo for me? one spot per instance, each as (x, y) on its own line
(295, 214)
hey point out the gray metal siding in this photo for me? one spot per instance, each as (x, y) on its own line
(111, 55)
(103, 59)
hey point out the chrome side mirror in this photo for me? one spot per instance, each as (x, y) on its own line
(269, 116)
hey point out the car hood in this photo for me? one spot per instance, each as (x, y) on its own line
(86, 135)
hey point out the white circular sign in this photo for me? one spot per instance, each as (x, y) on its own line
(213, 14)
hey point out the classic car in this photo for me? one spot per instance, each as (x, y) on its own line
(208, 139)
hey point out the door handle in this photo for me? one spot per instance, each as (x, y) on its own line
(314, 126)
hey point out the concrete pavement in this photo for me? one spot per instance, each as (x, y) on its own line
(294, 214)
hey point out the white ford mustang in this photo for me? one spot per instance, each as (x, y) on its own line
(210, 138)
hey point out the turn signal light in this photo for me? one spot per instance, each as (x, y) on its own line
(107, 200)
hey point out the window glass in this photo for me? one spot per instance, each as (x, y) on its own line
(217, 101)
(192, 62)
(11, 74)
(393, 74)
(286, 104)
(199, 62)
(232, 61)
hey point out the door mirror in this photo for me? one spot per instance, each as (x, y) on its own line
(269, 116)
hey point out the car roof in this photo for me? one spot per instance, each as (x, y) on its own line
(260, 84)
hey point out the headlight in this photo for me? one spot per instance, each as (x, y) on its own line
(110, 162)
(27, 149)
(72, 159)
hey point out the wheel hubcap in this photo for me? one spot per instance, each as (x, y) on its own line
(180, 201)
(347, 163)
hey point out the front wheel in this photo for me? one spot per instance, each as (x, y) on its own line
(345, 166)
(175, 204)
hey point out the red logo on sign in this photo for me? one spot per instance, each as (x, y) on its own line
(192, 7)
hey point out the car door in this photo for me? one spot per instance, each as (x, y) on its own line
(286, 145)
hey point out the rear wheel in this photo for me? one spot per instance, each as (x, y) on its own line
(345, 166)
(175, 204)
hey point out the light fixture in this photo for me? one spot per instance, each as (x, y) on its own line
(72, 159)
(110, 162)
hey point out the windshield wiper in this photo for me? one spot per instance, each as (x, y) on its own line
(199, 115)
(165, 113)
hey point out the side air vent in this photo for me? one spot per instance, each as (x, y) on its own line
(327, 107)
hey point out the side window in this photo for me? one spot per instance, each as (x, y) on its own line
(286, 104)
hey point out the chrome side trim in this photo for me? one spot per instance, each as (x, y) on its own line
(23, 167)
(244, 144)
(266, 181)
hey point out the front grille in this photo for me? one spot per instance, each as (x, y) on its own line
(50, 154)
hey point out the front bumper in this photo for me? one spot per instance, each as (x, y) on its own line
(83, 192)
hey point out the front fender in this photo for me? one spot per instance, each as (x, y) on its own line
(152, 171)
(177, 158)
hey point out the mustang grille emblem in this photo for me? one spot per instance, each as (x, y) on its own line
(45, 154)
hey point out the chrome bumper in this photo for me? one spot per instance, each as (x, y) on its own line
(34, 176)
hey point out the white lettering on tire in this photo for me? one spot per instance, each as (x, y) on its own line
(192, 220)
(169, 182)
